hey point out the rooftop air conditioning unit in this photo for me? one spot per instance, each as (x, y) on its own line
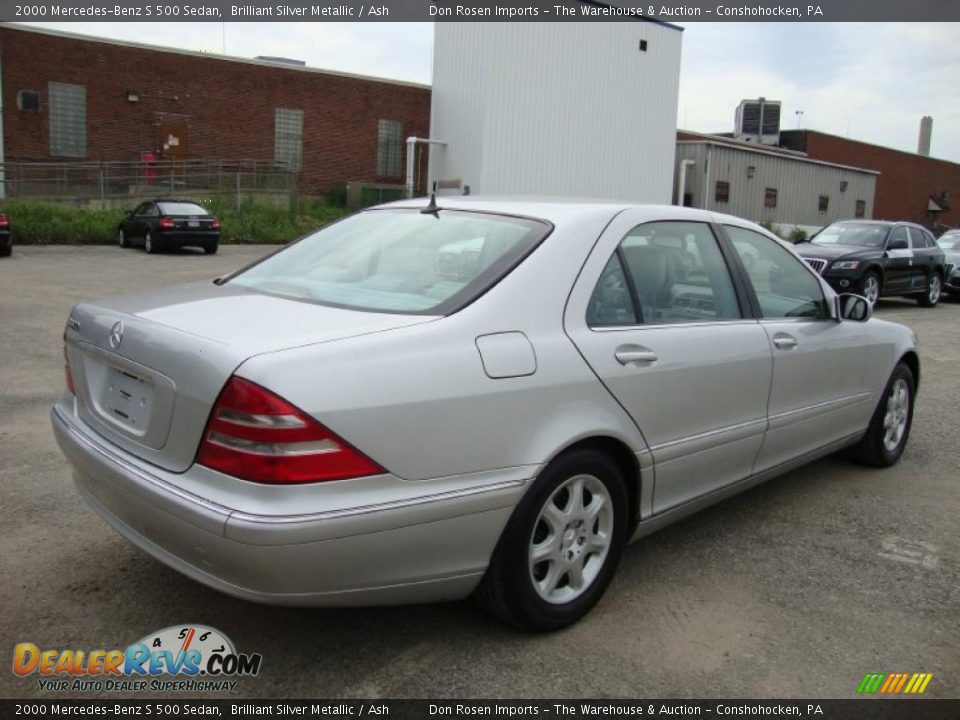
(758, 121)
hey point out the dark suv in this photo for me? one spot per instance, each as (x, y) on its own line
(875, 258)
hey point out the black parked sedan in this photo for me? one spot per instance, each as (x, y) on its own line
(949, 242)
(163, 224)
(876, 259)
(6, 236)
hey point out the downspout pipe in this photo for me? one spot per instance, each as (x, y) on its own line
(411, 160)
(682, 179)
(3, 157)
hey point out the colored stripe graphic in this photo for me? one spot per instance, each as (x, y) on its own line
(871, 682)
(894, 683)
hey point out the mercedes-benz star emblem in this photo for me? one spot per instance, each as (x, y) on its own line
(116, 335)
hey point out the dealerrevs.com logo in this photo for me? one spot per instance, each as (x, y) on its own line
(188, 658)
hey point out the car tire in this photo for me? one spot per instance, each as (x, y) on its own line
(6, 250)
(889, 428)
(580, 546)
(870, 286)
(211, 248)
(149, 245)
(934, 291)
(122, 239)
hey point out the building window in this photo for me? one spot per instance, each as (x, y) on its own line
(288, 137)
(389, 148)
(770, 198)
(861, 209)
(722, 192)
(68, 119)
(824, 203)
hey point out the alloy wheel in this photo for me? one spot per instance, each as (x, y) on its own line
(935, 289)
(897, 414)
(148, 243)
(571, 539)
(871, 289)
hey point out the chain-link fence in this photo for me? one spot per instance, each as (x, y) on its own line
(109, 181)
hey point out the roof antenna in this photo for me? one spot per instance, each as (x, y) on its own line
(431, 208)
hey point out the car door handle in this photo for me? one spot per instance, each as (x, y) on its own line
(627, 354)
(784, 341)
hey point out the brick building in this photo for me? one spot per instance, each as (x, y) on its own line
(73, 98)
(909, 187)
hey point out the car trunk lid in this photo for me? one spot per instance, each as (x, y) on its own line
(148, 367)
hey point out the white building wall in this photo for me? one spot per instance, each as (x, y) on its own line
(556, 109)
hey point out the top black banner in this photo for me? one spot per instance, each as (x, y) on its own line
(479, 10)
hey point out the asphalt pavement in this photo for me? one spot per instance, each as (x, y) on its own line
(796, 588)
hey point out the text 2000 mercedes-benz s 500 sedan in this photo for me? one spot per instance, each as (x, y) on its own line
(492, 397)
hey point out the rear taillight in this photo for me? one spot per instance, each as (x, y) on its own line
(215, 224)
(4, 220)
(67, 375)
(255, 435)
(165, 223)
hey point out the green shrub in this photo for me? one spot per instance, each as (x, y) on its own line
(337, 195)
(44, 223)
(797, 235)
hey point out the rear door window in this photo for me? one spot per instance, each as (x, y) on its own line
(665, 273)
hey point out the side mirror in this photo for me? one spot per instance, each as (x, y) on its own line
(128, 213)
(853, 307)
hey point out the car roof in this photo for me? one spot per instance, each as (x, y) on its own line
(550, 209)
(881, 223)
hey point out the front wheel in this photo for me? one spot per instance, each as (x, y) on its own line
(561, 547)
(149, 245)
(122, 238)
(934, 289)
(889, 428)
(870, 287)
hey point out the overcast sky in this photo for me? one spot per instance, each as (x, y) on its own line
(871, 81)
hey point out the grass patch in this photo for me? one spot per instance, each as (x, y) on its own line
(44, 223)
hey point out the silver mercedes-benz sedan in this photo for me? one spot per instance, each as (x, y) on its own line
(490, 397)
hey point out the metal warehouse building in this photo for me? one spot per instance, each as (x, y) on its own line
(769, 184)
(74, 99)
(561, 109)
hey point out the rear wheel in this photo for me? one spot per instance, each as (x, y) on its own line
(870, 287)
(934, 289)
(6, 250)
(889, 428)
(149, 245)
(561, 547)
(211, 248)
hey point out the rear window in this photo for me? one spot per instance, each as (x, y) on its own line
(400, 261)
(181, 208)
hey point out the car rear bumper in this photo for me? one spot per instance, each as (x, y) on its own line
(429, 548)
(181, 238)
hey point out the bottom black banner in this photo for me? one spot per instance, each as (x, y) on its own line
(885, 709)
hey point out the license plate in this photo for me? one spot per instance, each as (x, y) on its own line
(128, 399)
(193, 223)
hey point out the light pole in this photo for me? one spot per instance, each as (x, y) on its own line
(799, 114)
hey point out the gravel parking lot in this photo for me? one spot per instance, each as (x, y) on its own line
(796, 588)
